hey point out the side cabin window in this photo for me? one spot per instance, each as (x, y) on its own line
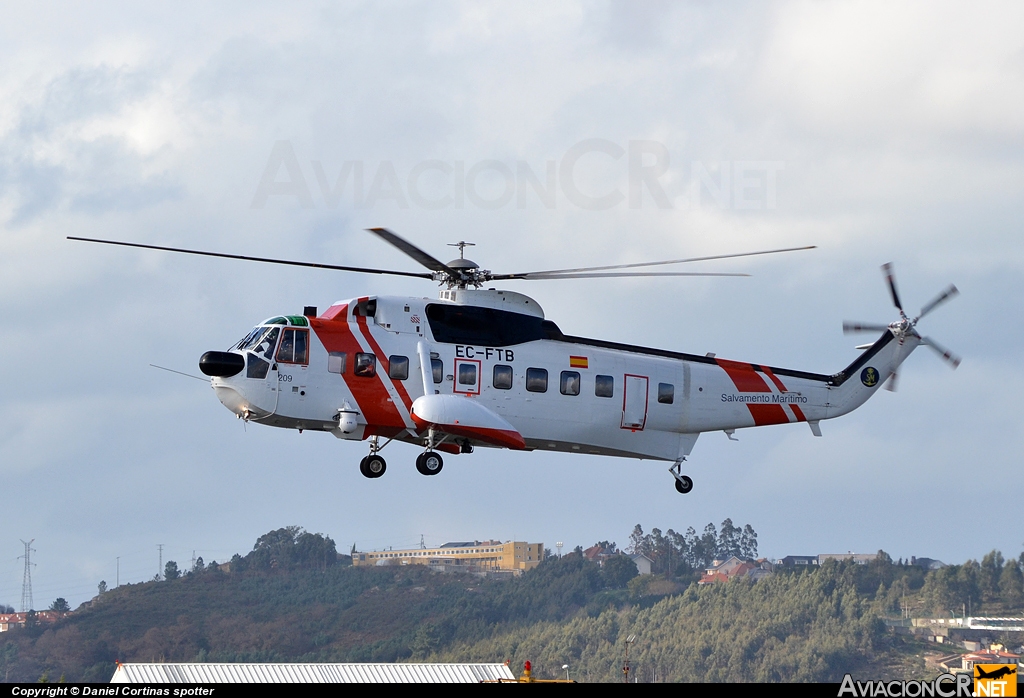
(398, 367)
(437, 370)
(502, 378)
(604, 386)
(294, 347)
(537, 380)
(569, 383)
(486, 327)
(666, 393)
(366, 365)
(467, 373)
(336, 361)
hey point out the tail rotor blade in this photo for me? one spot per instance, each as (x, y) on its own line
(949, 293)
(852, 327)
(890, 277)
(947, 356)
(891, 384)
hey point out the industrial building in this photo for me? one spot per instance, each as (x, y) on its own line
(192, 673)
(482, 556)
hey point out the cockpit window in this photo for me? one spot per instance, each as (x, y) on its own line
(294, 347)
(248, 340)
(265, 344)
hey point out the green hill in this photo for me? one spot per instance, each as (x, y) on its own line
(292, 600)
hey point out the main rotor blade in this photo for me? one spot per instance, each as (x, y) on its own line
(314, 265)
(950, 292)
(890, 276)
(851, 327)
(942, 351)
(606, 275)
(647, 264)
(413, 251)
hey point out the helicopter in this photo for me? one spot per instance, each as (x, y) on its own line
(483, 367)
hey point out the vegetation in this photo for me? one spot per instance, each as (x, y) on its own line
(292, 598)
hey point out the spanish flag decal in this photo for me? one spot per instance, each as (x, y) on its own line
(579, 362)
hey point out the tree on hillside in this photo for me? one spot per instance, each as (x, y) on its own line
(1011, 585)
(617, 570)
(102, 587)
(290, 548)
(171, 570)
(60, 605)
(637, 541)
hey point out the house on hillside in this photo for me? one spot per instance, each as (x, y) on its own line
(724, 570)
(733, 568)
(990, 657)
(799, 561)
(856, 558)
(643, 563)
(599, 553)
(9, 621)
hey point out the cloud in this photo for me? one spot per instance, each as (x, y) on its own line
(897, 134)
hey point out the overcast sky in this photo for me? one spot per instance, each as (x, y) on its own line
(551, 135)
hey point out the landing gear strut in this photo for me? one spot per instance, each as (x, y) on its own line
(373, 466)
(683, 483)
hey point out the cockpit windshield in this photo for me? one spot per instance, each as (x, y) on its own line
(247, 341)
(261, 341)
(265, 345)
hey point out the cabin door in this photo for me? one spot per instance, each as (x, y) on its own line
(634, 402)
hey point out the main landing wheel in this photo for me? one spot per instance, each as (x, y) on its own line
(684, 485)
(429, 463)
(372, 466)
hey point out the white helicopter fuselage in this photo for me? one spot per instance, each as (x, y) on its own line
(484, 368)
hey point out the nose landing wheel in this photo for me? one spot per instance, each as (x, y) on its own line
(429, 463)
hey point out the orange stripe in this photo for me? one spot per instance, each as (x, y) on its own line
(797, 412)
(768, 414)
(384, 361)
(744, 377)
(369, 393)
(747, 380)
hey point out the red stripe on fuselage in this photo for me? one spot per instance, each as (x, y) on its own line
(371, 396)
(385, 361)
(797, 412)
(768, 414)
(744, 377)
(747, 380)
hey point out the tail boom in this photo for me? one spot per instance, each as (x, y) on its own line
(733, 395)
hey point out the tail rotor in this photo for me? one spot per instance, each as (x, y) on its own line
(905, 327)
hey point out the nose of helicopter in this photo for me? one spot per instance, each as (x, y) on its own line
(230, 385)
(221, 364)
